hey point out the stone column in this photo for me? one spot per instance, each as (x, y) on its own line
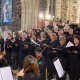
(29, 15)
(72, 10)
(78, 11)
(23, 14)
(48, 5)
(58, 9)
(64, 8)
(68, 10)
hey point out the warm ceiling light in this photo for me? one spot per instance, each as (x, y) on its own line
(41, 16)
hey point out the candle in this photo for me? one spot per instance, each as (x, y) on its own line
(13, 34)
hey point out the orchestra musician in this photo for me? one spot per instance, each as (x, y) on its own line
(30, 69)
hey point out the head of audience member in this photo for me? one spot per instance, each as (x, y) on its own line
(33, 37)
(43, 37)
(60, 32)
(71, 31)
(62, 40)
(20, 33)
(42, 33)
(9, 36)
(45, 29)
(56, 29)
(66, 28)
(29, 33)
(49, 32)
(53, 36)
(63, 23)
(76, 40)
(32, 33)
(23, 37)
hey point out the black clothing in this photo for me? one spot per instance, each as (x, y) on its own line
(69, 38)
(42, 68)
(8, 49)
(44, 42)
(2, 45)
(62, 55)
(66, 33)
(77, 31)
(22, 52)
(54, 44)
(74, 63)
(50, 57)
(78, 46)
(3, 62)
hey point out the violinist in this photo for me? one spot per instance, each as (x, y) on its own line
(30, 69)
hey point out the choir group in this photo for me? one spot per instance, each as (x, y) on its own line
(35, 50)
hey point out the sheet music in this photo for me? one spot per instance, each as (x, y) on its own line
(6, 74)
(35, 42)
(0, 77)
(59, 68)
(69, 44)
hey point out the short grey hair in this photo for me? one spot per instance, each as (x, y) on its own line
(62, 38)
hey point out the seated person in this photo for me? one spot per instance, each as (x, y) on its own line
(30, 69)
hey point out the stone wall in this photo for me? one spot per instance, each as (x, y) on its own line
(78, 11)
(73, 10)
(58, 9)
(64, 8)
(42, 6)
(29, 15)
(16, 15)
(67, 10)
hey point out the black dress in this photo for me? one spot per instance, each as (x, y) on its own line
(63, 57)
(50, 57)
(8, 49)
(74, 63)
